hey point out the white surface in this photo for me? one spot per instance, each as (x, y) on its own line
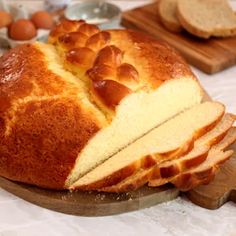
(176, 218)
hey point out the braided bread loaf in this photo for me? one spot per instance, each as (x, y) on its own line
(69, 105)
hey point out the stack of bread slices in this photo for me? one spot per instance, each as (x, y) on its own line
(107, 111)
(185, 151)
(202, 18)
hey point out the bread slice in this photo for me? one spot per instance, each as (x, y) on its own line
(153, 174)
(167, 12)
(166, 142)
(205, 172)
(206, 18)
(144, 176)
(200, 150)
(158, 174)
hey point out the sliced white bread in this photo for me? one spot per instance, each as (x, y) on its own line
(205, 172)
(153, 174)
(206, 18)
(160, 174)
(168, 141)
(167, 10)
(187, 179)
(200, 150)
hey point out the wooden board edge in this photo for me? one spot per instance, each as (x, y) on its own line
(87, 210)
(205, 202)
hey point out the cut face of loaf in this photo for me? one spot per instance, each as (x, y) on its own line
(147, 112)
(166, 142)
(174, 171)
(119, 78)
(206, 18)
(55, 125)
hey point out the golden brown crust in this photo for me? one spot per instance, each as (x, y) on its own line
(184, 181)
(190, 180)
(127, 73)
(109, 55)
(98, 41)
(88, 29)
(127, 57)
(43, 124)
(109, 92)
(82, 56)
(101, 72)
(65, 26)
(163, 62)
(174, 169)
(72, 40)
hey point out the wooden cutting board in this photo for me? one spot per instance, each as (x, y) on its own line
(90, 203)
(210, 55)
(211, 196)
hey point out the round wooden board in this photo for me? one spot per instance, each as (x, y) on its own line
(90, 203)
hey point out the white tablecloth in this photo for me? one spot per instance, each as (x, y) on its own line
(176, 218)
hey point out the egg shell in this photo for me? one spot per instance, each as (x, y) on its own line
(42, 20)
(22, 30)
(5, 19)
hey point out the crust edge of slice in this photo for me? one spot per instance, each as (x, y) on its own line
(147, 175)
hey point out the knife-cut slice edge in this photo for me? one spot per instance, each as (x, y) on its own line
(171, 140)
(197, 156)
(204, 172)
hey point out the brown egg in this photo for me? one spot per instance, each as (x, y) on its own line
(5, 19)
(22, 30)
(42, 20)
